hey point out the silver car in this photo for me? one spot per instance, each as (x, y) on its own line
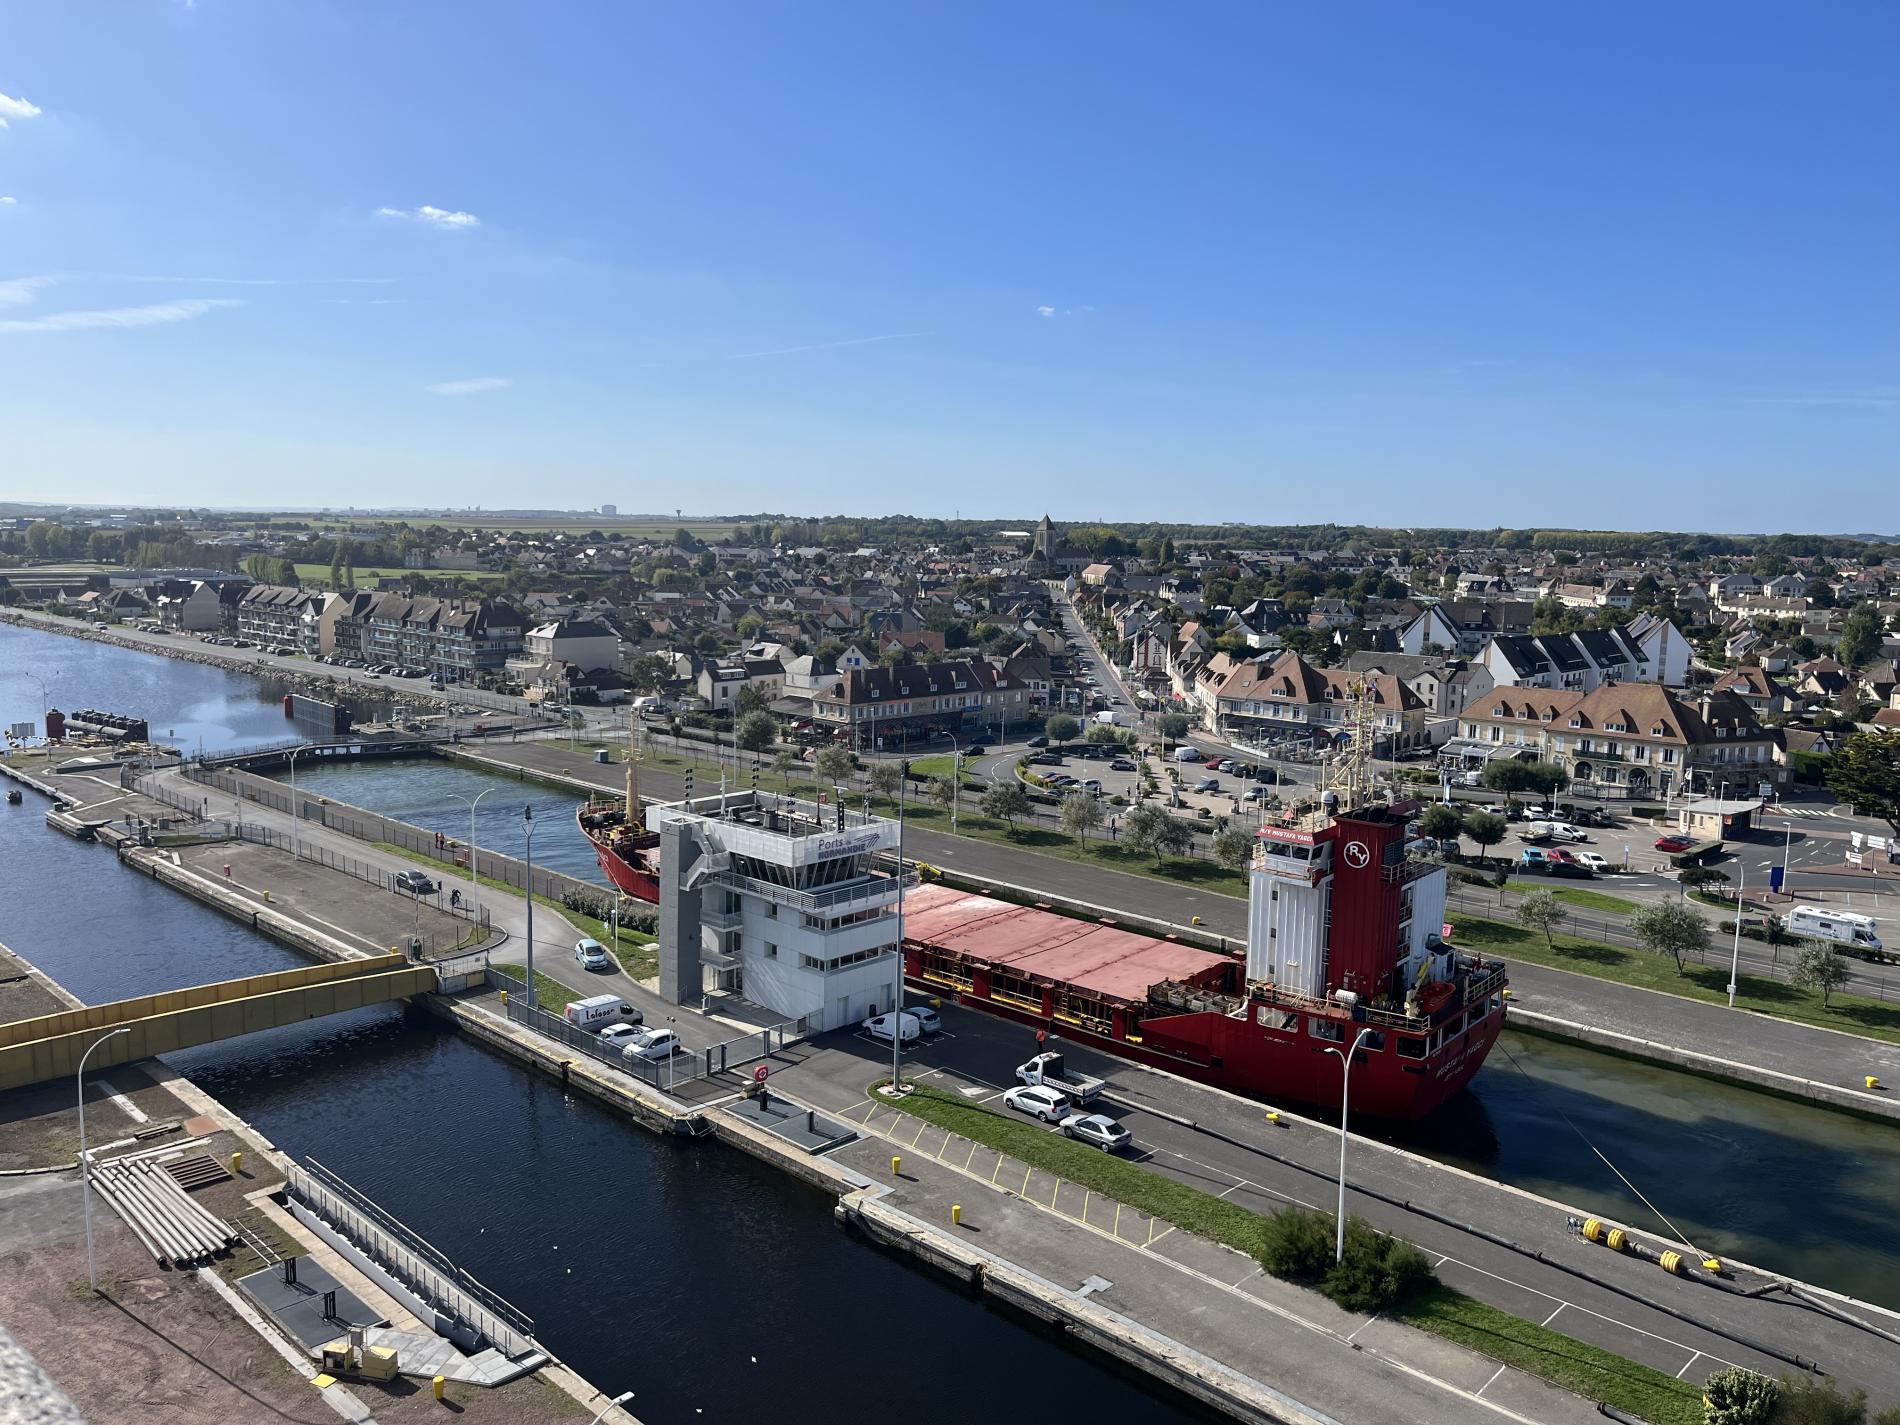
(1097, 1129)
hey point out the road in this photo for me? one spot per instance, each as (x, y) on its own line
(1224, 1145)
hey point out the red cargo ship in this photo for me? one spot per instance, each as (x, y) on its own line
(1344, 942)
(628, 853)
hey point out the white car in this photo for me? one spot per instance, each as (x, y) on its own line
(908, 1027)
(1564, 831)
(616, 1036)
(592, 955)
(653, 1045)
(1096, 1128)
(1591, 859)
(1038, 1102)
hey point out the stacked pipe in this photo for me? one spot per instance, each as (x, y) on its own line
(169, 1225)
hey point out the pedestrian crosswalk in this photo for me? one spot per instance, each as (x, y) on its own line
(1814, 812)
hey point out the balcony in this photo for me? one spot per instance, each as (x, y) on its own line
(861, 894)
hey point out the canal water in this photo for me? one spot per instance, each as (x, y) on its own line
(1785, 1186)
(193, 706)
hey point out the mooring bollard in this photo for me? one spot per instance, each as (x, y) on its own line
(956, 1214)
(437, 1384)
(897, 1164)
(504, 999)
(237, 1162)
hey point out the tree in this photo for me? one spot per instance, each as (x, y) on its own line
(1006, 801)
(1150, 830)
(1866, 772)
(1100, 734)
(1860, 636)
(1819, 966)
(1701, 878)
(943, 791)
(1081, 814)
(1233, 848)
(756, 731)
(1739, 1396)
(833, 766)
(1541, 910)
(1486, 828)
(1507, 775)
(752, 699)
(784, 763)
(648, 672)
(1442, 821)
(1061, 728)
(1674, 928)
(1547, 779)
(885, 778)
(1174, 726)
(749, 626)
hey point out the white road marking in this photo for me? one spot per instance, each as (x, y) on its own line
(1493, 1381)
(124, 1104)
(1553, 1315)
(1686, 1364)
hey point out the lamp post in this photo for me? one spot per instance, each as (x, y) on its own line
(472, 802)
(45, 698)
(618, 1400)
(956, 784)
(527, 833)
(897, 1002)
(1345, 1092)
(85, 1164)
(296, 818)
(1735, 960)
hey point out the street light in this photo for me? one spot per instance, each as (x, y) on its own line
(1735, 962)
(85, 1166)
(472, 804)
(296, 841)
(618, 1400)
(1345, 1091)
(527, 832)
(897, 1005)
(45, 697)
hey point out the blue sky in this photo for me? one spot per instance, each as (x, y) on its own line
(1628, 265)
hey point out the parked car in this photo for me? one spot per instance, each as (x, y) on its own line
(1038, 741)
(653, 1045)
(1564, 831)
(417, 883)
(1593, 861)
(883, 1026)
(1673, 843)
(598, 1011)
(1047, 759)
(1208, 784)
(1121, 764)
(1097, 1129)
(1575, 870)
(1092, 784)
(927, 1018)
(972, 750)
(1533, 859)
(592, 955)
(617, 1036)
(1254, 794)
(1050, 1105)
(1227, 765)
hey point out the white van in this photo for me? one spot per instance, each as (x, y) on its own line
(907, 1027)
(596, 1011)
(1189, 754)
(1843, 927)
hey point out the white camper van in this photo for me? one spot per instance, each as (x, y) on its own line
(1842, 927)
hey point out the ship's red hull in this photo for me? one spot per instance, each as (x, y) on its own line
(1275, 1067)
(632, 866)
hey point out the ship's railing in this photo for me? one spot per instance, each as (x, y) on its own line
(1370, 1014)
(1486, 984)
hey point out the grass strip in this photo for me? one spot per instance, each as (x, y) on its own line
(1852, 1014)
(1588, 1370)
(551, 995)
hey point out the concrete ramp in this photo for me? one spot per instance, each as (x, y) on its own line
(50, 1046)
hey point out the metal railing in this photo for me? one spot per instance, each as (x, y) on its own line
(411, 1259)
(830, 900)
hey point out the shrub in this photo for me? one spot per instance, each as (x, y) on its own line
(1740, 1397)
(1809, 1400)
(1299, 1245)
(1377, 1271)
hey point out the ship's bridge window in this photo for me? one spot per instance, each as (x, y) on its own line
(1411, 1046)
(1327, 1029)
(1375, 1041)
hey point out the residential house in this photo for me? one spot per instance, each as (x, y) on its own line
(1291, 697)
(913, 700)
(1582, 660)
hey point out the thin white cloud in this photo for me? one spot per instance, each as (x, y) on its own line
(158, 314)
(252, 281)
(365, 301)
(16, 109)
(1045, 311)
(473, 386)
(821, 346)
(433, 217)
(7, 200)
(23, 291)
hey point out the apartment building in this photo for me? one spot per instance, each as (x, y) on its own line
(913, 699)
(278, 616)
(1290, 696)
(1626, 739)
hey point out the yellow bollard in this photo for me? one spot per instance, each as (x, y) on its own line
(1671, 1262)
(1507, 991)
(438, 1383)
(1273, 1115)
(237, 1162)
(896, 1166)
(1194, 920)
(1617, 1240)
(1872, 1082)
(266, 896)
(1712, 1264)
(956, 1214)
(504, 999)
(1592, 1230)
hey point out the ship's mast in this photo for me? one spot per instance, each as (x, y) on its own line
(632, 809)
(1348, 773)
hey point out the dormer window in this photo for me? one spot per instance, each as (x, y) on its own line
(1576, 722)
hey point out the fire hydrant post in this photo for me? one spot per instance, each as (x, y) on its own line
(438, 1383)
(897, 1165)
(956, 1214)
